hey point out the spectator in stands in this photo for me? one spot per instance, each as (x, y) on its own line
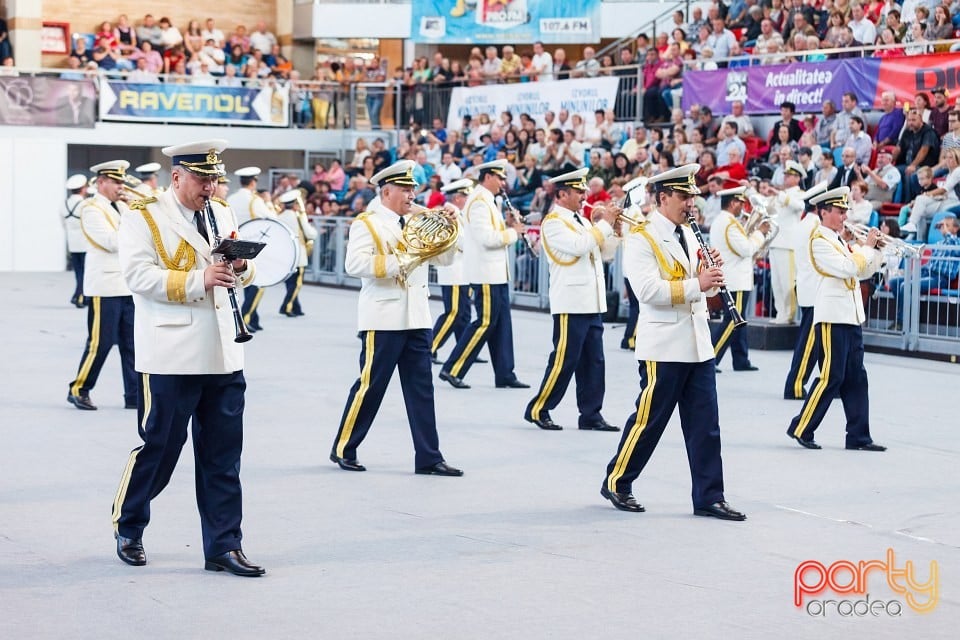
(623, 166)
(453, 146)
(236, 59)
(827, 171)
(105, 37)
(230, 79)
(863, 29)
(735, 169)
(708, 127)
(6, 50)
(561, 69)
(782, 140)
(729, 139)
(172, 58)
(374, 73)
(708, 164)
(881, 182)
(671, 78)
(921, 102)
(721, 40)
(542, 63)
(712, 206)
(859, 140)
(940, 113)
(653, 106)
(142, 75)
(833, 36)
(893, 21)
(779, 169)
(563, 120)
(888, 38)
(752, 25)
(589, 67)
(125, 35)
(570, 153)
(200, 75)
(742, 120)
(335, 176)
(952, 139)
(891, 122)
(170, 36)
(850, 46)
(150, 32)
(768, 36)
(80, 52)
(261, 38)
(240, 37)
(860, 208)
(213, 57)
(491, 65)
(841, 128)
(603, 169)
(509, 65)
(937, 200)
(210, 31)
(915, 41)
(940, 270)
(848, 171)
(919, 146)
(193, 38)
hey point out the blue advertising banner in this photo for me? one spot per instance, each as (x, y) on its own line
(211, 104)
(505, 21)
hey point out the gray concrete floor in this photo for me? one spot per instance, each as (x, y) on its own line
(523, 546)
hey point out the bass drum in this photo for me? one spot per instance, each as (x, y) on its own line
(278, 260)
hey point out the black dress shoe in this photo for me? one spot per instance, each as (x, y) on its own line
(297, 314)
(545, 422)
(807, 444)
(439, 469)
(347, 465)
(622, 500)
(515, 384)
(81, 402)
(602, 425)
(717, 370)
(870, 446)
(480, 360)
(234, 562)
(434, 359)
(130, 550)
(720, 510)
(749, 367)
(454, 381)
(626, 346)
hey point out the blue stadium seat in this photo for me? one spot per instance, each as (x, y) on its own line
(874, 219)
(934, 236)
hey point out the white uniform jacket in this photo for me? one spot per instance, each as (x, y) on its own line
(302, 229)
(455, 274)
(787, 207)
(385, 305)
(673, 310)
(179, 327)
(76, 242)
(575, 252)
(247, 205)
(486, 260)
(807, 278)
(736, 249)
(838, 297)
(99, 222)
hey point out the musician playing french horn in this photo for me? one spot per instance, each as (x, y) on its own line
(394, 316)
(576, 248)
(737, 247)
(294, 217)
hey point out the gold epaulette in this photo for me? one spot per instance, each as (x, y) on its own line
(220, 201)
(635, 228)
(361, 216)
(142, 203)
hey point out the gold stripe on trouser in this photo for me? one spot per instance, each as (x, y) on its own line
(728, 331)
(804, 361)
(92, 351)
(296, 290)
(817, 392)
(351, 418)
(478, 335)
(554, 371)
(448, 323)
(792, 296)
(253, 305)
(643, 415)
(128, 470)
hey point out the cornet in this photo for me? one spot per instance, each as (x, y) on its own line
(758, 217)
(898, 247)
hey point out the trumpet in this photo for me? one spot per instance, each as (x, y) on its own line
(898, 247)
(621, 214)
(759, 215)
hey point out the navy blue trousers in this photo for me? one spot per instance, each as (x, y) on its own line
(726, 335)
(382, 353)
(493, 327)
(77, 261)
(167, 403)
(630, 330)
(455, 317)
(109, 322)
(291, 300)
(806, 352)
(664, 386)
(252, 295)
(842, 375)
(577, 351)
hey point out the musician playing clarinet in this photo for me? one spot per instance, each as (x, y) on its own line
(188, 360)
(662, 262)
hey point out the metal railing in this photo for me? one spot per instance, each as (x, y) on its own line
(928, 311)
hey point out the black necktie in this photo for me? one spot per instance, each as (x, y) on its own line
(403, 223)
(682, 240)
(577, 218)
(201, 225)
(115, 207)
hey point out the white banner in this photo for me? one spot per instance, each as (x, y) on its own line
(583, 96)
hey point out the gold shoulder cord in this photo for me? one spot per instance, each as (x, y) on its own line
(726, 235)
(546, 247)
(675, 272)
(253, 214)
(220, 201)
(183, 260)
(851, 283)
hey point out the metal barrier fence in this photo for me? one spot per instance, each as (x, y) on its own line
(924, 317)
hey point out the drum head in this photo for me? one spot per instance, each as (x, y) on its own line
(278, 260)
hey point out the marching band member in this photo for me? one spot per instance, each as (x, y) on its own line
(635, 204)
(674, 350)
(395, 327)
(76, 243)
(737, 250)
(149, 180)
(788, 207)
(247, 205)
(487, 266)
(295, 218)
(454, 286)
(837, 317)
(806, 352)
(110, 306)
(575, 248)
(189, 362)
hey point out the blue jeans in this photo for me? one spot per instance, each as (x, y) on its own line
(374, 105)
(926, 283)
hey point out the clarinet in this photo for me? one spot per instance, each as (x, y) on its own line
(242, 334)
(516, 214)
(728, 301)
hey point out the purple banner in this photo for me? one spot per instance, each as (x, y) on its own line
(47, 102)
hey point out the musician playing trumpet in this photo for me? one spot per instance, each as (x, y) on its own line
(576, 248)
(394, 323)
(737, 250)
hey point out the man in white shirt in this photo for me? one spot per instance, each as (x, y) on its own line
(863, 29)
(448, 171)
(140, 75)
(883, 181)
(721, 39)
(744, 125)
(262, 39)
(859, 141)
(589, 67)
(211, 31)
(542, 62)
(841, 126)
(729, 140)
(491, 65)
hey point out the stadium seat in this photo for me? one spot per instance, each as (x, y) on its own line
(874, 220)
(934, 235)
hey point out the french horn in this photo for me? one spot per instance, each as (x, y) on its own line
(427, 234)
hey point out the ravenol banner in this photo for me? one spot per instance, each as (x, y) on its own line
(505, 21)
(762, 88)
(581, 96)
(261, 106)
